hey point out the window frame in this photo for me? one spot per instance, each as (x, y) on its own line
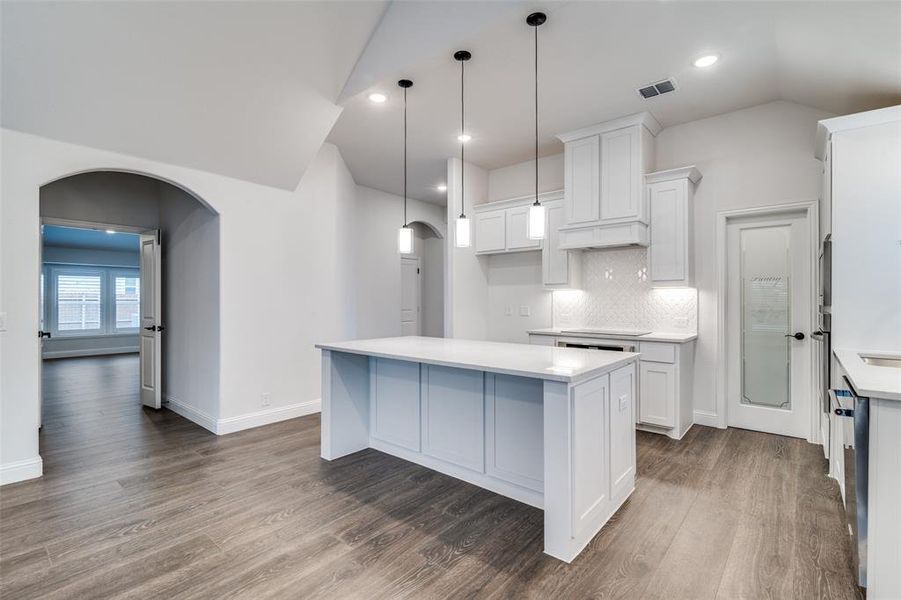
(53, 271)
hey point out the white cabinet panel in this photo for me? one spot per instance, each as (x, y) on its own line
(657, 404)
(622, 433)
(394, 389)
(453, 416)
(621, 174)
(560, 268)
(670, 206)
(518, 229)
(582, 180)
(542, 340)
(490, 231)
(514, 426)
(591, 464)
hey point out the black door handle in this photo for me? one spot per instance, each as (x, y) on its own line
(44, 334)
(798, 336)
(160, 328)
(151, 328)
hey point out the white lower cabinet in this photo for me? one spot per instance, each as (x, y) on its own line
(622, 442)
(657, 398)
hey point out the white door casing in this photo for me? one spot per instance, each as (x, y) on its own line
(410, 296)
(768, 281)
(151, 319)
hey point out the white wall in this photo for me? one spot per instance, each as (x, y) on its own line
(109, 198)
(754, 157)
(190, 295)
(275, 247)
(519, 179)
(89, 256)
(431, 250)
(515, 282)
(466, 285)
(378, 216)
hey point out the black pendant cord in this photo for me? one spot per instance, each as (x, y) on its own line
(405, 157)
(462, 143)
(536, 116)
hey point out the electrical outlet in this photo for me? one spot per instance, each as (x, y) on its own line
(681, 322)
(524, 311)
(2, 321)
(508, 311)
(266, 398)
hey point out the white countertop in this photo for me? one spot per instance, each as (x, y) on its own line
(655, 336)
(568, 365)
(870, 381)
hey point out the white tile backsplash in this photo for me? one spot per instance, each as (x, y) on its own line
(616, 293)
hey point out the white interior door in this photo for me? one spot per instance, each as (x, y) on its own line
(768, 320)
(151, 322)
(410, 305)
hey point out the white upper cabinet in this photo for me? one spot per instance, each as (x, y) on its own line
(670, 206)
(561, 269)
(582, 180)
(604, 167)
(491, 231)
(518, 230)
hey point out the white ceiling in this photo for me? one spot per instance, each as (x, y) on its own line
(839, 57)
(245, 89)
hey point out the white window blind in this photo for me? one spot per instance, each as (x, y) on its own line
(128, 302)
(91, 301)
(78, 302)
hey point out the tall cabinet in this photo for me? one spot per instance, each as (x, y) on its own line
(671, 212)
(604, 188)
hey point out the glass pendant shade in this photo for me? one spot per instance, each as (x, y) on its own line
(536, 222)
(463, 237)
(405, 240)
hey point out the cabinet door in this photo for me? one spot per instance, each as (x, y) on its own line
(622, 431)
(518, 229)
(581, 180)
(542, 340)
(657, 399)
(491, 231)
(621, 174)
(668, 251)
(555, 262)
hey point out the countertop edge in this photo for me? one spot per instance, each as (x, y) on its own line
(654, 336)
(628, 357)
(852, 364)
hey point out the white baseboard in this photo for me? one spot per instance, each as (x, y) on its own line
(247, 421)
(90, 352)
(191, 413)
(270, 415)
(708, 418)
(21, 470)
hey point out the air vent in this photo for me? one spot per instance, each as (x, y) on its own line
(656, 89)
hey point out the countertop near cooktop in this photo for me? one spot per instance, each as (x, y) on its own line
(655, 336)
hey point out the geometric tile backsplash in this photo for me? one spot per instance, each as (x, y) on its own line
(616, 293)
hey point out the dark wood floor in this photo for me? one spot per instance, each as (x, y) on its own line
(143, 504)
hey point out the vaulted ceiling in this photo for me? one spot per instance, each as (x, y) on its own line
(251, 89)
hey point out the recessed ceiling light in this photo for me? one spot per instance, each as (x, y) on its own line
(442, 188)
(111, 231)
(378, 98)
(706, 61)
(464, 137)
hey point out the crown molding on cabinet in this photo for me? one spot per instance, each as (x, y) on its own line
(827, 127)
(644, 119)
(519, 201)
(689, 172)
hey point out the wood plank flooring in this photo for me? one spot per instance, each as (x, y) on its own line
(137, 503)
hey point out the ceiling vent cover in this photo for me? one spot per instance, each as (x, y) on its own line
(656, 89)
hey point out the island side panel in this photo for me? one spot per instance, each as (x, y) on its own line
(345, 404)
(586, 432)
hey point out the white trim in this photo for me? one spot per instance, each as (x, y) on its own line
(707, 418)
(827, 127)
(91, 225)
(89, 352)
(690, 172)
(265, 417)
(21, 470)
(551, 196)
(811, 214)
(645, 119)
(190, 413)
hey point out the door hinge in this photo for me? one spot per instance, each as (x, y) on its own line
(159, 235)
(417, 270)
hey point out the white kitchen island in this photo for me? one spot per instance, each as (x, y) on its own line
(550, 427)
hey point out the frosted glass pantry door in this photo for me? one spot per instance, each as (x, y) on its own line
(768, 374)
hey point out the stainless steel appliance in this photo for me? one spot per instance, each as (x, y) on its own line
(598, 345)
(855, 413)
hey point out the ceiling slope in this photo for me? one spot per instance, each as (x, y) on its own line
(243, 89)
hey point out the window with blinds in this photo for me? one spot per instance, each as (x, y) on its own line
(79, 300)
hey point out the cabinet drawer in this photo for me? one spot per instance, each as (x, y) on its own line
(658, 352)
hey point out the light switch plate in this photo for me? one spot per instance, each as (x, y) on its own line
(2, 321)
(524, 311)
(508, 311)
(681, 322)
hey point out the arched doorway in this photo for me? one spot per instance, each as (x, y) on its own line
(422, 283)
(91, 284)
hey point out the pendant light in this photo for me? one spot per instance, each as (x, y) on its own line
(462, 233)
(536, 211)
(405, 234)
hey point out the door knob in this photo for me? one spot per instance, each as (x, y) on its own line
(798, 336)
(151, 328)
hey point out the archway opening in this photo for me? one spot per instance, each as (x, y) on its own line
(428, 275)
(94, 292)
